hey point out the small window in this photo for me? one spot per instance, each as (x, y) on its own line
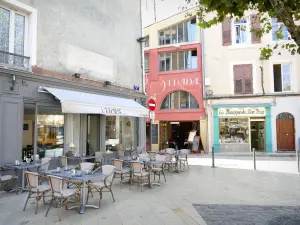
(276, 26)
(241, 31)
(282, 77)
(146, 43)
(146, 63)
(161, 38)
(168, 61)
(162, 62)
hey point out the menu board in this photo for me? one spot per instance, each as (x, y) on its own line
(192, 134)
(154, 133)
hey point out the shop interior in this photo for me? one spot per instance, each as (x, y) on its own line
(236, 131)
(50, 132)
(175, 134)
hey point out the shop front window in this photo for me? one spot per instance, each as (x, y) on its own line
(50, 127)
(234, 130)
(120, 133)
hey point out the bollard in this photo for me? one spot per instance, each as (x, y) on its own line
(254, 159)
(298, 163)
(213, 156)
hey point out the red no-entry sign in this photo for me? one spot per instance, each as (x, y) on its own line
(151, 104)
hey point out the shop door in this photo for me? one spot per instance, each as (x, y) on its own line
(257, 135)
(285, 132)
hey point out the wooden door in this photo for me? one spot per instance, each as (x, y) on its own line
(285, 132)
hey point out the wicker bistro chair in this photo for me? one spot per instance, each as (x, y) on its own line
(159, 168)
(104, 185)
(64, 163)
(5, 178)
(152, 155)
(120, 171)
(61, 194)
(36, 190)
(170, 150)
(86, 166)
(170, 161)
(183, 160)
(139, 174)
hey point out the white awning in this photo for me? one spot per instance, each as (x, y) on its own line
(85, 103)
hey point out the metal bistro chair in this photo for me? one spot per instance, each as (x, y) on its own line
(104, 185)
(35, 189)
(6, 178)
(120, 171)
(183, 160)
(139, 175)
(159, 168)
(170, 161)
(61, 194)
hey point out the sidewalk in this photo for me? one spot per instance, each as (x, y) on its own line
(172, 203)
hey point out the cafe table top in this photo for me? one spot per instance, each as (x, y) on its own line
(68, 175)
(22, 165)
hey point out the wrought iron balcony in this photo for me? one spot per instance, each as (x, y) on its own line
(15, 61)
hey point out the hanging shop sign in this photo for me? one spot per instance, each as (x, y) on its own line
(242, 112)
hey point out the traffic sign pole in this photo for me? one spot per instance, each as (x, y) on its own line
(151, 106)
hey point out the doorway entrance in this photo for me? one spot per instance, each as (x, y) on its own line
(285, 129)
(257, 134)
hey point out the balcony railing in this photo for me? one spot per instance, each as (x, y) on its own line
(15, 61)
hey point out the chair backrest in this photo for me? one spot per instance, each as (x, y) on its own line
(152, 155)
(56, 184)
(98, 156)
(170, 150)
(120, 153)
(86, 166)
(140, 150)
(168, 156)
(160, 158)
(136, 167)
(32, 179)
(63, 161)
(144, 156)
(118, 164)
(108, 171)
(185, 151)
(45, 164)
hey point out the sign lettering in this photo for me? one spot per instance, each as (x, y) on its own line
(183, 82)
(243, 112)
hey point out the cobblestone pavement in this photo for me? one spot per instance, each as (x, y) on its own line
(248, 214)
(171, 203)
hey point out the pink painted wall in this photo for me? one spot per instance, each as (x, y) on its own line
(160, 84)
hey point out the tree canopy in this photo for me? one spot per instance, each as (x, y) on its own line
(287, 12)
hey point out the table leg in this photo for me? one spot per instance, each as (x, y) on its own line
(83, 192)
(23, 182)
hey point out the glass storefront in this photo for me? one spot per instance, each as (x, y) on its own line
(120, 133)
(50, 132)
(234, 130)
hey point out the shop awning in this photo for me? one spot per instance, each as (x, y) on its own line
(86, 103)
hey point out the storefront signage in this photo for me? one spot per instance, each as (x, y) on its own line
(242, 112)
(182, 82)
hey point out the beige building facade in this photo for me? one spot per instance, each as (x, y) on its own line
(250, 103)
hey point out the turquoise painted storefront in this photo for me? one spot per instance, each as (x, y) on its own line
(268, 126)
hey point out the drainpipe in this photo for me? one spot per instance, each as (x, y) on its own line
(204, 89)
(142, 53)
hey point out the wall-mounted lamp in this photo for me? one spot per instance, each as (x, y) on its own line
(13, 81)
(76, 75)
(141, 39)
(107, 83)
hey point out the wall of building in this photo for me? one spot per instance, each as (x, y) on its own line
(88, 37)
(163, 9)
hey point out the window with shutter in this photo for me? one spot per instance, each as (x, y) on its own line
(226, 32)
(243, 83)
(255, 26)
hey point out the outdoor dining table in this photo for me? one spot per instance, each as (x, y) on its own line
(81, 158)
(23, 167)
(84, 178)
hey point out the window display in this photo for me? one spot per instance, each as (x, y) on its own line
(234, 130)
(120, 132)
